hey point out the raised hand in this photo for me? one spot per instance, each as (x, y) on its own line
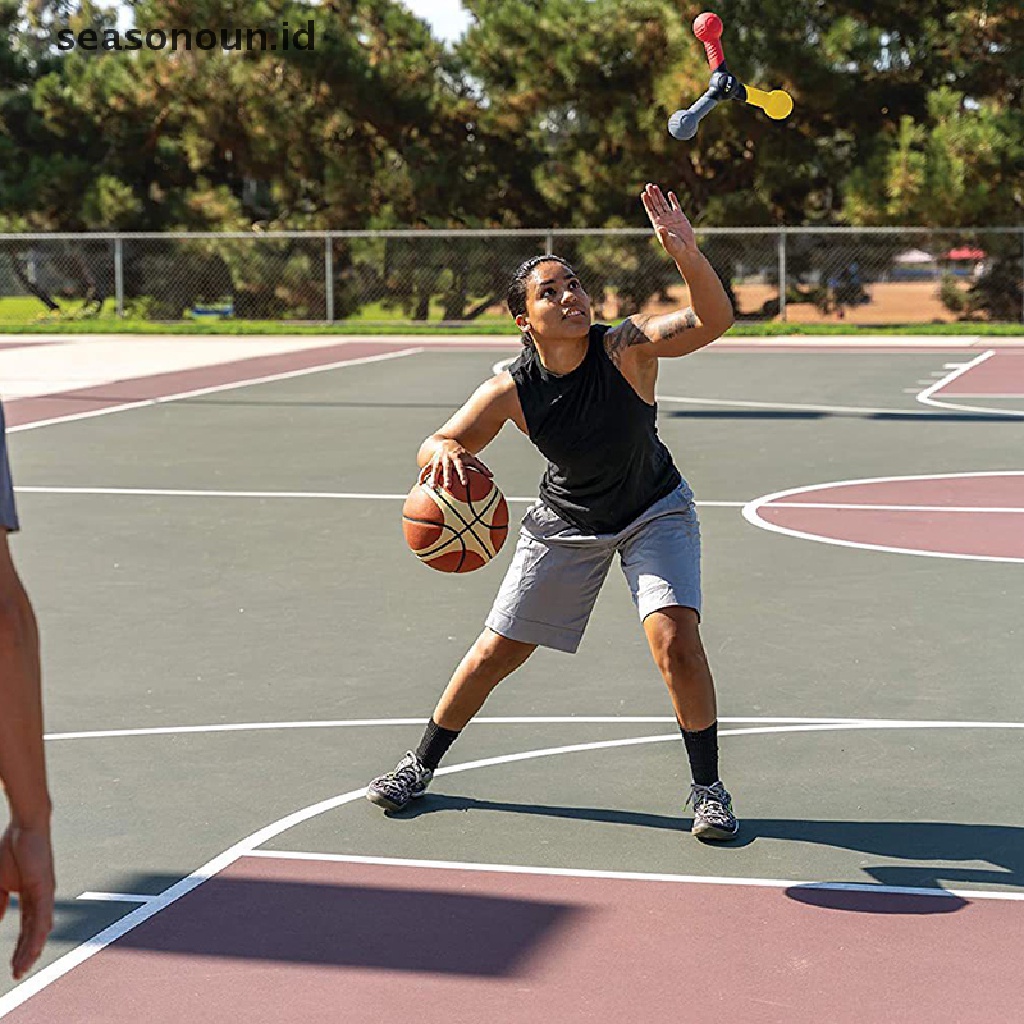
(669, 223)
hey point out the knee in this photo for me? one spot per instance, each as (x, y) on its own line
(499, 652)
(679, 654)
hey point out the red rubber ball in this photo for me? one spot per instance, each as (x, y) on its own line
(707, 26)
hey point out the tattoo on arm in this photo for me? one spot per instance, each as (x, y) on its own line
(629, 333)
(633, 331)
(675, 324)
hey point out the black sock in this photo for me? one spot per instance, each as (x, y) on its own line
(434, 744)
(702, 750)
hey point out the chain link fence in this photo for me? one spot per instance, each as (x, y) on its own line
(799, 275)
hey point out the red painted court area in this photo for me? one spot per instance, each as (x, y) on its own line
(1000, 374)
(969, 516)
(284, 940)
(137, 390)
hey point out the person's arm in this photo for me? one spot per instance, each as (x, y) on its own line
(26, 855)
(710, 313)
(455, 445)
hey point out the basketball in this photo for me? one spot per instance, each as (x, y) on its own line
(459, 528)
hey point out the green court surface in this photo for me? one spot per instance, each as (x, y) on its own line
(300, 610)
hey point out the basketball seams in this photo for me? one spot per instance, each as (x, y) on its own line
(447, 499)
(425, 522)
(441, 543)
(458, 532)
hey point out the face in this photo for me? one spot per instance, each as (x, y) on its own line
(557, 307)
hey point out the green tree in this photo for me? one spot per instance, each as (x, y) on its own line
(961, 165)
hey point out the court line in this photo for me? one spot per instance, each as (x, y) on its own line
(640, 876)
(194, 393)
(948, 378)
(898, 508)
(798, 406)
(133, 919)
(751, 511)
(168, 492)
(353, 723)
(926, 396)
(114, 897)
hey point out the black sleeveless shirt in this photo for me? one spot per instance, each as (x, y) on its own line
(606, 463)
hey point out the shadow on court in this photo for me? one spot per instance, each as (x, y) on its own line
(331, 925)
(821, 414)
(446, 407)
(101, 398)
(860, 902)
(337, 925)
(79, 920)
(1001, 846)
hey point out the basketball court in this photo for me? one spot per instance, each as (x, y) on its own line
(236, 639)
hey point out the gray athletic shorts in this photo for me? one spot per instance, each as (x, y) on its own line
(8, 513)
(557, 571)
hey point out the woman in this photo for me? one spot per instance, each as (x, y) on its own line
(584, 395)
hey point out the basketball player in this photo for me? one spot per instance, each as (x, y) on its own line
(584, 395)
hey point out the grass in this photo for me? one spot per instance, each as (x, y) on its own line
(350, 327)
(21, 315)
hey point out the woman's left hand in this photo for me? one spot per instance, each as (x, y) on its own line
(670, 223)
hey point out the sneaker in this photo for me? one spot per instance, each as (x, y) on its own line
(712, 812)
(394, 790)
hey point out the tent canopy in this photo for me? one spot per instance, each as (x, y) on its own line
(965, 252)
(915, 256)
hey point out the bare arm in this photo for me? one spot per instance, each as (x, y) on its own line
(471, 429)
(685, 330)
(26, 857)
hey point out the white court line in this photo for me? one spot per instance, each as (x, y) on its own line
(797, 406)
(751, 512)
(896, 508)
(171, 492)
(638, 876)
(168, 492)
(362, 723)
(925, 397)
(114, 897)
(91, 947)
(205, 391)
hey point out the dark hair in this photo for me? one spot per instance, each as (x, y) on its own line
(515, 296)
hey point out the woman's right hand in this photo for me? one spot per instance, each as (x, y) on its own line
(449, 455)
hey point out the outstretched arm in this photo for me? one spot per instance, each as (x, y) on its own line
(709, 316)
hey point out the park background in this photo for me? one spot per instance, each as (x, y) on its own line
(393, 174)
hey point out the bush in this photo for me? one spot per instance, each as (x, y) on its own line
(952, 297)
(998, 291)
